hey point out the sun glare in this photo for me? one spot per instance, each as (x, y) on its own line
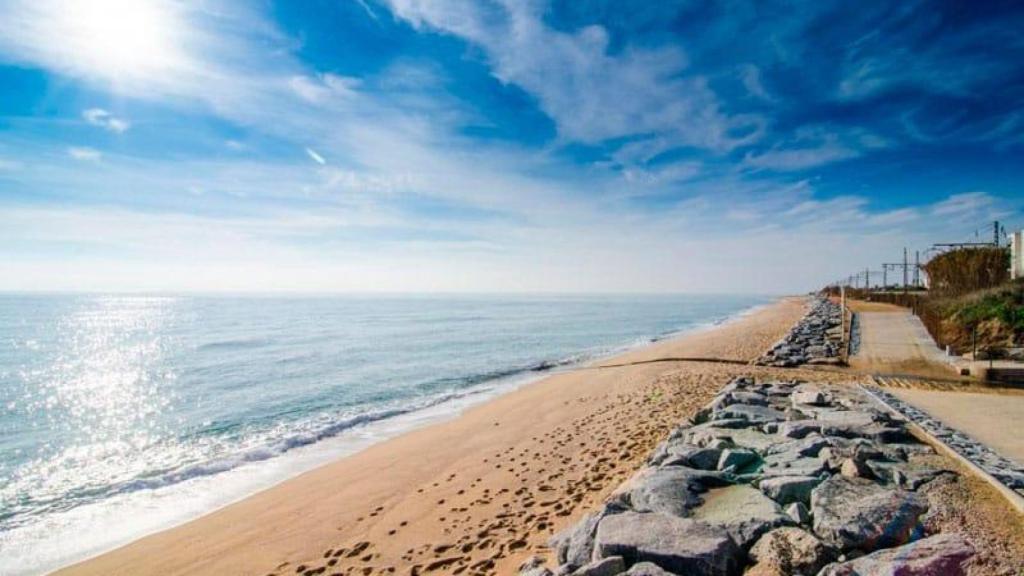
(121, 37)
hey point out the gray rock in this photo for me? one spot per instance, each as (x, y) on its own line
(854, 513)
(853, 468)
(811, 445)
(790, 550)
(789, 489)
(676, 544)
(808, 396)
(798, 513)
(648, 569)
(680, 453)
(575, 545)
(744, 512)
(534, 566)
(940, 555)
(752, 398)
(605, 567)
(737, 458)
(791, 464)
(673, 490)
(751, 413)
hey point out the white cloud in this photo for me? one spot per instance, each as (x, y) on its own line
(750, 75)
(813, 147)
(84, 153)
(590, 93)
(103, 119)
(315, 156)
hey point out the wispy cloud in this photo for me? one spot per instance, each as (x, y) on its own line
(315, 156)
(84, 153)
(590, 92)
(106, 120)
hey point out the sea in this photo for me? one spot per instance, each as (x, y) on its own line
(121, 415)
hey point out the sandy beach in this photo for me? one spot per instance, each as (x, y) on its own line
(480, 492)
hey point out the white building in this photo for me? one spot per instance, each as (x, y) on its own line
(1017, 255)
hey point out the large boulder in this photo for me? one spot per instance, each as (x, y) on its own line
(940, 555)
(789, 550)
(750, 412)
(672, 490)
(744, 512)
(575, 545)
(788, 489)
(858, 514)
(679, 545)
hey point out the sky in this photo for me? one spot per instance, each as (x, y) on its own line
(499, 146)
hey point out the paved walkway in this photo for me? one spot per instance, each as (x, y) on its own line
(896, 336)
(894, 340)
(996, 420)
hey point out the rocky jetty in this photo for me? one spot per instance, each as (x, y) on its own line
(770, 479)
(816, 339)
(1006, 471)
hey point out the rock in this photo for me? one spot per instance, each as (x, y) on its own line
(534, 566)
(788, 489)
(846, 418)
(791, 464)
(605, 567)
(753, 398)
(808, 396)
(812, 445)
(800, 428)
(647, 569)
(851, 468)
(791, 550)
(737, 458)
(678, 453)
(744, 512)
(940, 555)
(751, 413)
(854, 513)
(575, 545)
(679, 545)
(798, 513)
(670, 489)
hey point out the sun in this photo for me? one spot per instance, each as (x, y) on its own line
(121, 38)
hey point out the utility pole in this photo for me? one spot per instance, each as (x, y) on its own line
(917, 268)
(995, 233)
(867, 279)
(885, 276)
(904, 269)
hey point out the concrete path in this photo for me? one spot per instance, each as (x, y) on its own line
(995, 420)
(892, 340)
(896, 336)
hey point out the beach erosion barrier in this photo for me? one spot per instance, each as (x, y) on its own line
(771, 478)
(817, 339)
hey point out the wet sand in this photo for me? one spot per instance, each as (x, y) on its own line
(474, 495)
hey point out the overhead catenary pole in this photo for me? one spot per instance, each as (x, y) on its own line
(917, 268)
(995, 233)
(904, 269)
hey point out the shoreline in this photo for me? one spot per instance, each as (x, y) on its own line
(119, 560)
(136, 515)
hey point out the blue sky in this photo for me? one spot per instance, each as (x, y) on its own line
(449, 145)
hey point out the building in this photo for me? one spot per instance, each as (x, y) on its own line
(1017, 255)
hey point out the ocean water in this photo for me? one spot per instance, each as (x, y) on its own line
(133, 413)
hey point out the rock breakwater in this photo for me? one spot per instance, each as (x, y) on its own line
(770, 478)
(1009, 473)
(816, 339)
